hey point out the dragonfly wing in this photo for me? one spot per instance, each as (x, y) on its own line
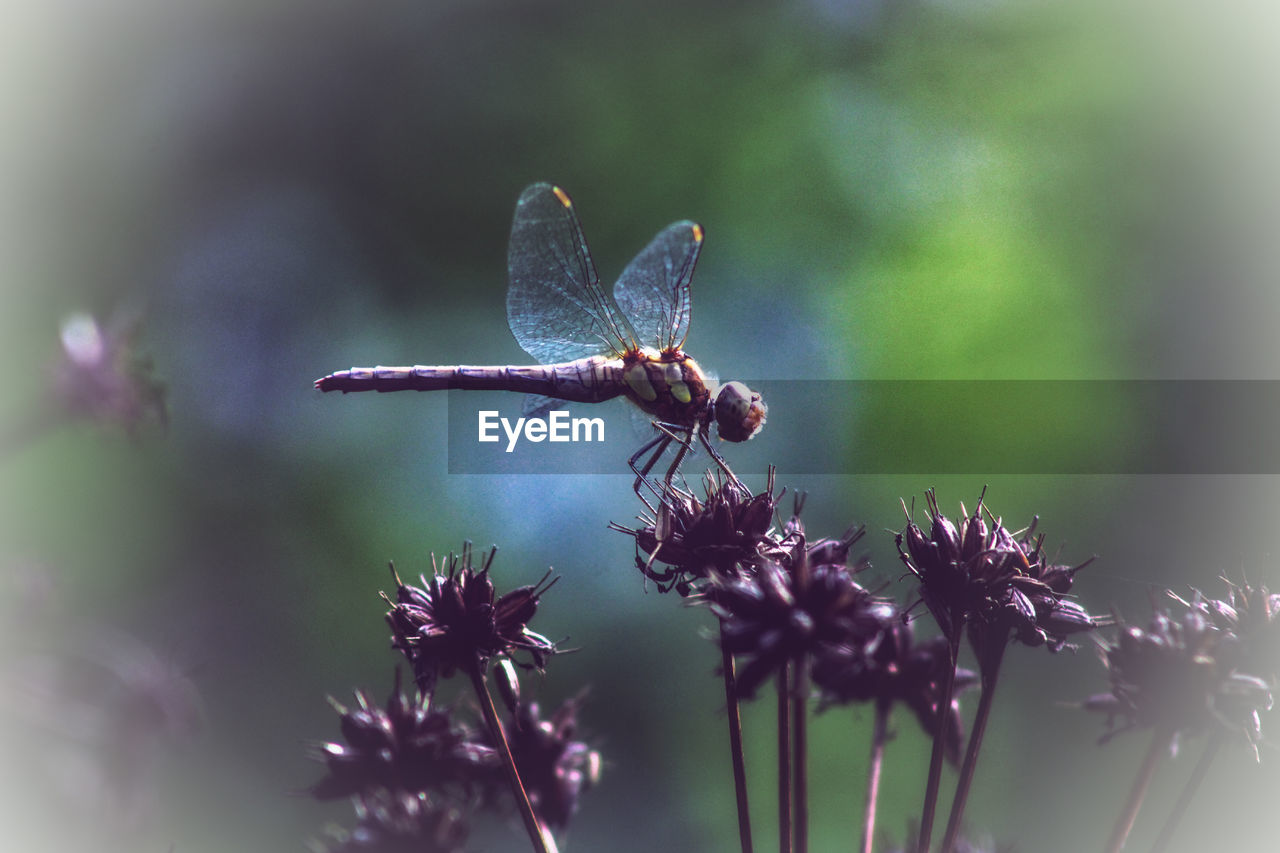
(538, 406)
(555, 306)
(654, 288)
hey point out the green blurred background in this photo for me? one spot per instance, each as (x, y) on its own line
(892, 190)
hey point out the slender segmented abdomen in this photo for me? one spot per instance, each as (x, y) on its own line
(587, 380)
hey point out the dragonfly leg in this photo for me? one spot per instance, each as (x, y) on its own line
(724, 466)
(669, 492)
(664, 526)
(660, 441)
(686, 445)
(669, 433)
(665, 492)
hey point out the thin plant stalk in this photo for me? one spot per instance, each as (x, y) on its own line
(939, 743)
(990, 672)
(735, 748)
(539, 835)
(1188, 791)
(784, 760)
(800, 690)
(799, 694)
(879, 736)
(1160, 743)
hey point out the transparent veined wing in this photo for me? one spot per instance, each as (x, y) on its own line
(539, 406)
(555, 306)
(653, 290)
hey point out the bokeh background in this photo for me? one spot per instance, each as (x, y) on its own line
(892, 190)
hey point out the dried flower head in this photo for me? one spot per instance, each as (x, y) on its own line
(890, 667)
(402, 823)
(406, 747)
(555, 768)
(101, 376)
(822, 552)
(783, 611)
(454, 621)
(1250, 618)
(1045, 585)
(1177, 675)
(699, 540)
(977, 573)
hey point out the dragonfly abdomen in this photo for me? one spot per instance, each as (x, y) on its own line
(587, 380)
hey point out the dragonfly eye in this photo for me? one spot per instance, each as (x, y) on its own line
(740, 412)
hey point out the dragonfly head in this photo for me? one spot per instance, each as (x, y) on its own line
(740, 412)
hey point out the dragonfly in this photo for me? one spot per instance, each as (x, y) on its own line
(590, 346)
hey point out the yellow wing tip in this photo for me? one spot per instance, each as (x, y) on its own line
(698, 233)
(563, 196)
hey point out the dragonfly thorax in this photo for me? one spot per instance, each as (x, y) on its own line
(668, 385)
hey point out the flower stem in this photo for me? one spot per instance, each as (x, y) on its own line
(800, 690)
(1160, 742)
(879, 735)
(735, 746)
(539, 835)
(993, 656)
(1188, 791)
(939, 744)
(784, 760)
